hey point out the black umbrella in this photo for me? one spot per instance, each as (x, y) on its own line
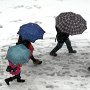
(71, 23)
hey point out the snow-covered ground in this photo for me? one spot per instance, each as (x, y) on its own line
(64, 72)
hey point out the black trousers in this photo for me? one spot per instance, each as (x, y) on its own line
(59, 45)
(18, 77)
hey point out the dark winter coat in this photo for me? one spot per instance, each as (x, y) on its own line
(61, 37)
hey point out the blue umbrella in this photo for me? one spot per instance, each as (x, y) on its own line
(18, 54)
(31, 32)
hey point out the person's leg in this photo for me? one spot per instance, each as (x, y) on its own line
(69, 47)
(35, 61)
(18, 77)
(58, 46)
(7, 80)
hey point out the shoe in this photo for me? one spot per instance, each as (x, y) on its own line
(37, 62)
(88, 68)
(7, 81)
(53, 54)
(73, 51)
(20, 80)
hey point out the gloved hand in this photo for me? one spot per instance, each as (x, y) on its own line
(9, 69)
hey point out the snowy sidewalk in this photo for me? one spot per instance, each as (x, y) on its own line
(64, 72)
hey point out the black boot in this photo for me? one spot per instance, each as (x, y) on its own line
(88, 68)
(37, 62)
(73, 51)
(8, 80)
(53, 54)
(20, 80)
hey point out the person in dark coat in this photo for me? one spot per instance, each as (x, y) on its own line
(31, 48)
(61, 39)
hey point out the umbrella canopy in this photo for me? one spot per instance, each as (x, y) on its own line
(18, 54)
(71, 23)
(31, 32)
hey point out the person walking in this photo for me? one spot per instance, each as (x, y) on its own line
(15, 70)
(61, 39)
(68, 23)
(29, 45)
